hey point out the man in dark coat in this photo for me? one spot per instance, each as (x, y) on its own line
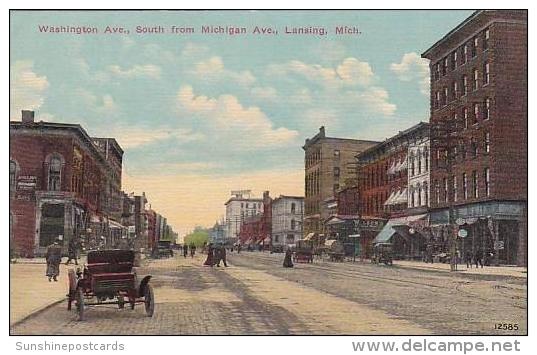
(222, 255)
(210, 256)
(185, 250)
(192, 250)
(72, 251)
(54, 259)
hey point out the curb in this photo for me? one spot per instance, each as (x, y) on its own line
(463, 273)
(35, 313)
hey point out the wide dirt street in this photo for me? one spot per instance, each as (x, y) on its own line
(256, 295)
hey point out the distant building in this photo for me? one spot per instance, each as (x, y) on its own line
(240, 206)
(329, 163)
(287, 219)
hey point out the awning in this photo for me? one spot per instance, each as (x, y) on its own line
(335, 220)
(391, 169)
(309, 236)
(95, 219)
(329, 243)
(390, 228)
(266, 240)
(390, 199)
(332, 205)
(401, 197)
(116, 225)
(403, 165)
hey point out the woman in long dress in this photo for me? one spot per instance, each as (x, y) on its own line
(210, 256)
(288, 260)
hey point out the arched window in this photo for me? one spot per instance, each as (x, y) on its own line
(54, 173)
(293, 224)
(12, 175)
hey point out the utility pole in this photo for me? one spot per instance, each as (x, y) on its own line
(445, 139)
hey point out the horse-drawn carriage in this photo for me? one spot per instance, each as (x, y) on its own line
(303, 251)
(382, 253)
(109, 278)
(335, 250)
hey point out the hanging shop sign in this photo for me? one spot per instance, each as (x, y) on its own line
(463, 233)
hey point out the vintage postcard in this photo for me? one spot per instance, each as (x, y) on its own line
(290, 172)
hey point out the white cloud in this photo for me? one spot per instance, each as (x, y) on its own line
(148, 71)
(192, 50)
(374, 100)
(265, 93)
(27, 89)
(213, 69)
(233, 123)
(135, 136)
(413, 68)
(350, 72)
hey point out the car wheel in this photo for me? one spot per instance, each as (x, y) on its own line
(149, 299)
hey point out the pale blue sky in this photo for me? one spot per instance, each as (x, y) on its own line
(219, 105)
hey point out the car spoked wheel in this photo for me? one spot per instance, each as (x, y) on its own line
(149, 300)
(80, 304)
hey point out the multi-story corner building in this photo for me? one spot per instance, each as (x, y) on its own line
(479, 79)
(419, 171)
(383, 175)
(59, 185)
(240, 206)
(287, 220)
(329, 162)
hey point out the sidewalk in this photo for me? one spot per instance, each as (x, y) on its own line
(30, 291)
(509, 271)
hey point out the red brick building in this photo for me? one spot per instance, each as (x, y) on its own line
(59, 185)
(479, 80)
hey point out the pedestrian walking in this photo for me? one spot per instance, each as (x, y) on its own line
(192, 250)
(53, 257)
(288, 259)
(478, 258)
(239, 247)
(72, 252)
(222, 256)
(468, 259)
(210, 256)
(185, 250)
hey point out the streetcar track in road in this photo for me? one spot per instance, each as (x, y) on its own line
(373, 276)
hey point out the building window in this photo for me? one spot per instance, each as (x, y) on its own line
(437, 191)
(437, 100)
(411, 196)
(454, 90)
(486, 37)
(487, 142)
(486, 73)
(464, 54)
(486, 175)
(464, 186)
(437, 71)
(12, 175)
(336, 153)
(464, 85)
(445, 183)
(54, 174)
(412, 171)
(475, 82)
(426, 159)
(336, 171)
(444, 66)
(293, 224)
(419, 195)
(425, 194)
(473, 144)
(419, 163)
(474, 47)
(486, 109)
(465, 117)
(455, 192)
(475, 184)
(293, 207)
(476, 113)
(454, 60)
(445, 97)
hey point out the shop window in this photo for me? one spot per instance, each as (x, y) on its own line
(54, 174)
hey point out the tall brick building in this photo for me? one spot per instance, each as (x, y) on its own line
(479, 80)
(59, 185)
(329, 163)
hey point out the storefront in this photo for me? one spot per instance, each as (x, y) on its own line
(496, 230)
(408, 242)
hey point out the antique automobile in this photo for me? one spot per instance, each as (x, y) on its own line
(335, 250)
(303, 251)
(109, 278)
(163, 249)
(382, 253)
(276, 249)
